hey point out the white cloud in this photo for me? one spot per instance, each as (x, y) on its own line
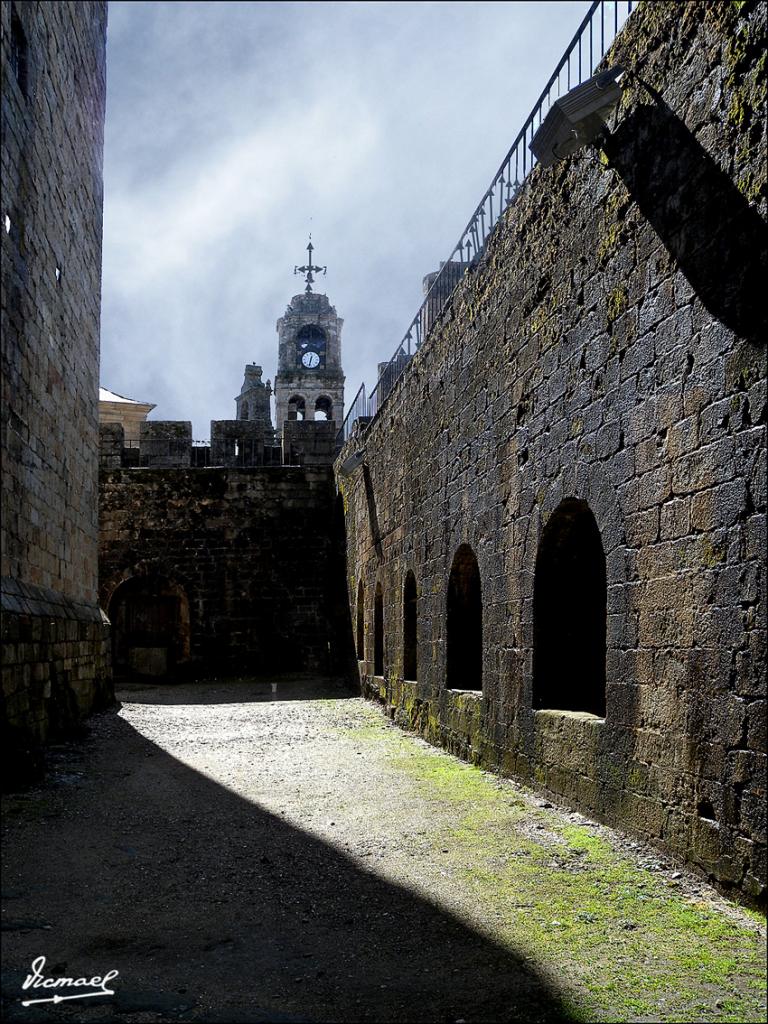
(246, 181)
(234, 128)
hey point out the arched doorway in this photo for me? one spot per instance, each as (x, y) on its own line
(464, 623)
(150, 626)
(410, 643)
(569, 612)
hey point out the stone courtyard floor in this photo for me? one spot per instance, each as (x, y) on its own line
(242, 855)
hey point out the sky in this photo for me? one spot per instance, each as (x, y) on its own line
(236, 128)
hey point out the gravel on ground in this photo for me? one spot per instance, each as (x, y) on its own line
(241, 850)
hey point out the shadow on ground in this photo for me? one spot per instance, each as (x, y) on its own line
(213, 909)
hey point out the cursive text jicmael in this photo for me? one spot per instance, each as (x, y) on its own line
(98, 983)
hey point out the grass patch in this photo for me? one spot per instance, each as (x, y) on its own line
(620, 941)
(449, 779)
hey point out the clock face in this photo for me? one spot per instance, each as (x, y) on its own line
(310, 360)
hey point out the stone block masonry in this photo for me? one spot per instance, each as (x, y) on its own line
(56, 664)
(312, 443)
(594, 395)
(243, 558)
(53, 95)
(165, 443)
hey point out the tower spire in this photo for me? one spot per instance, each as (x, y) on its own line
(310, 270)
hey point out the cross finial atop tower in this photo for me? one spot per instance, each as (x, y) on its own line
(309, 269)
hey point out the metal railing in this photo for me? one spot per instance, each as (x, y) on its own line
(594, 36)
(168, 453)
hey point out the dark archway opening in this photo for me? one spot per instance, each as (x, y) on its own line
(378, 632)
(410, 657)
(360, 622)
(323, 408)
(150, 626)
(569, 609)
(464, 623)
(297, 408)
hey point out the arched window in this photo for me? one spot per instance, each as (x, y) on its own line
(409, 627)
(324, 405)
(297, 408)
(464, 623)
(360, 622)
(310, 347)
(310, 336)
(569, 612)
(378, 632)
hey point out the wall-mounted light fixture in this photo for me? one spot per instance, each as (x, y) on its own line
(578, 117)
(348, 466)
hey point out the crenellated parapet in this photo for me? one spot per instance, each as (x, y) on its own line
(243, 444)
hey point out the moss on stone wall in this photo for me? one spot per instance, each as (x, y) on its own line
(606, 348)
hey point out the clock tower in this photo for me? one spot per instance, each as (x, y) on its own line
(309, 383)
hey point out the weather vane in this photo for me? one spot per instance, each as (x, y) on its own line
(309, 269)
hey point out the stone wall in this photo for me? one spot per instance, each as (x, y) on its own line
(165, 443)
(309, 442)
(249, 551)
(605, 360)
(53, 94)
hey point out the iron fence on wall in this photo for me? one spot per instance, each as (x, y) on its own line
(593, 38)
(168, 453)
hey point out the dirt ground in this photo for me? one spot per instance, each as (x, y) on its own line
(239, 854)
